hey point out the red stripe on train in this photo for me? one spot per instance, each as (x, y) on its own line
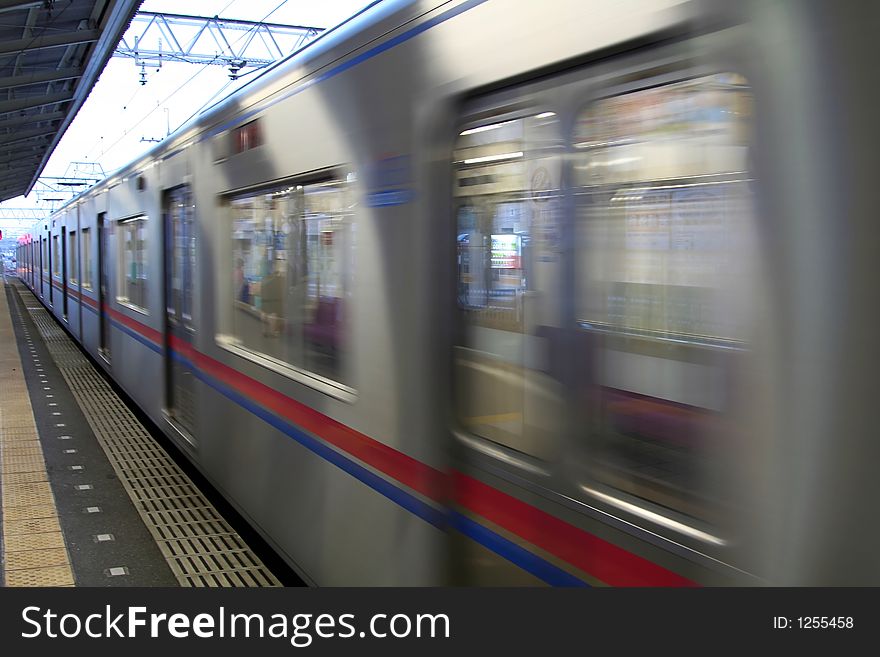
(149, 333)
(419, 476)
(601, 559)
(591, 554)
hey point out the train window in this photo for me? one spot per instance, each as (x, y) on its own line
(247, 137)
(73, 273)
(56, 257)
(663, 266)
(291, 264)
(133, 263)
(507, 175)
(182, 262)
(86, 259)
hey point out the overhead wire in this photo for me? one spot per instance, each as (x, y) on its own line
(98, 141)
(218, 93)
(187, 82)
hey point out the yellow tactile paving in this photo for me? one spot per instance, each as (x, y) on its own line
(19, 434)
(30, 511)
(24, 477)
(21, 448)
(16, 426)
(49, 576)
(22, 464)
(31, 493)
(33, 559)
(23, 489)
(26, 433)
(35, 553)
(31, 526)
(23, 542)
(18, 447)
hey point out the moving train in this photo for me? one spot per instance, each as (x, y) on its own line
(479, 292)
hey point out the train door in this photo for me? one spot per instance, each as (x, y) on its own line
(79, 273)
(179, 327)
(51, 267)
(103, 287)
(64, 272)
(605, 301)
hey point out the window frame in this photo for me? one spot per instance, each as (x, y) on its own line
(85, 262)
(121, 278)
(223, 339)
(707, 535)
(489, 110)
(686, 56)
(73, 258)
(56, 256)
(683, 73)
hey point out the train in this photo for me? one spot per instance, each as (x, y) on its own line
(498, 292)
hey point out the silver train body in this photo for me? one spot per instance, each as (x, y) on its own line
(489, 292)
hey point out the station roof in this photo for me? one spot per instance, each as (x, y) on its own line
(51, 54)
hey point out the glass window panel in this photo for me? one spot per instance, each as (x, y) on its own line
(664, 268)
(56, 256)
(507, 177)
(180, 209)
(133, 262)
(71, 259)
(86, 259)
(292, 263)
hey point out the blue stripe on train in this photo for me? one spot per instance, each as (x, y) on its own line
(137, 336)
(519, 556)
(397, 495)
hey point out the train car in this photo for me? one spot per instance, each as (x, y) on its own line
(491, 292)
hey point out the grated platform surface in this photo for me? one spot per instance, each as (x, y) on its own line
(201, 548)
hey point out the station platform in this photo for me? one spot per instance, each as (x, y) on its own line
(88, 497)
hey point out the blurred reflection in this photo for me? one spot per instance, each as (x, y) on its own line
(507, 181)
(663, 265)
(292, 265)
(132, 262)
(72, 268)
(662, 273)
